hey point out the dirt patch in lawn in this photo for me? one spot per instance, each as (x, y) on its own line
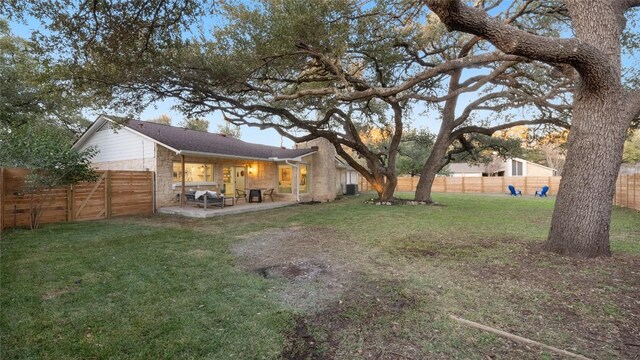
(327, 280)
(596, 301)
(392, 302)
(308, 259)
(352, 319)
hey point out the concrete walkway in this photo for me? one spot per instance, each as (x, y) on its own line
(198, 212)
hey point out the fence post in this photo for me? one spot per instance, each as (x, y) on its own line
(503, 183)
(616, 197)
(628, 191)
(445, 183)
(482, 184)
(463, 190)
(70, 203)
(525, 185)
(635, 199)
(107, 193)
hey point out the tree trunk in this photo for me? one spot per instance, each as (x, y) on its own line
(443, 140)
(385, 186)
(431, 167)
(389, 188)
(582, 213)
(601, 117)
(602, 110)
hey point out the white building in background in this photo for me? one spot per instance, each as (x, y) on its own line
(513, 167)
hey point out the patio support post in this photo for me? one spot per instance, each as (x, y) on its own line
(295, 165)
(298, 183)
(182, 195)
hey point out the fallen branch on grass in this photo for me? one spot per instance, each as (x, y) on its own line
(517, 338)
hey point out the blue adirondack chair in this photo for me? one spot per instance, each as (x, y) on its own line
(542, 192)
(513, 191)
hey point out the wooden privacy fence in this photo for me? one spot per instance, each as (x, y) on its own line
(488, 185)
(628, 191)
(115, 193)
(627, 186)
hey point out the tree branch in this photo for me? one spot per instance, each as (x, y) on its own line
(428, 74)
(628, 4)
(466, 86)
(590, 63)
(634, 101)
(490, 130)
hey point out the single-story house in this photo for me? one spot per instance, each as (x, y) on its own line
(214, 161)
(507, 168)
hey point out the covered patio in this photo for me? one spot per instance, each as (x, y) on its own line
(238, 208)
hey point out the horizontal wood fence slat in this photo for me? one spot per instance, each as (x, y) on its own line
(628, 191)
(116, 193)
(627, 186)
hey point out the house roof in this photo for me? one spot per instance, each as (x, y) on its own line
(192, 142)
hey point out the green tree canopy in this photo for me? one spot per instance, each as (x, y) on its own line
(46, 151)
(631, 153)
(230, 130)
(31, 90)
(198, 124)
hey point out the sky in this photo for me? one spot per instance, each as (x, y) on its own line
(249, 134)
(419, 117)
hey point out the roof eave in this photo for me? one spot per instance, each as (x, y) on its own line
(89, 131)
(237, 157)
(92, 129)
(297, 158)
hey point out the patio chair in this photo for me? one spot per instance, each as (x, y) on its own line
(241, 194)
(269, 193)
(513, 191)
(542, 192)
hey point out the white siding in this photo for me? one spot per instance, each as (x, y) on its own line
(352, 177)
(120, 145)
(470, 174)
(534, 169)
(509, 168)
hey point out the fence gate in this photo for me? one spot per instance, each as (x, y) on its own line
(89, 200)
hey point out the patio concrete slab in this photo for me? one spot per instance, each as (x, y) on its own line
(198, 212)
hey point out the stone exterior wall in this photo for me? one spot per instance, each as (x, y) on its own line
(165, 196)
(323, 171)
(148, 164)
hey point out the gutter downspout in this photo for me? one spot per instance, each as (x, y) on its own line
(297, 167)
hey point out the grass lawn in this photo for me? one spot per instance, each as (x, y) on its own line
(339, 280)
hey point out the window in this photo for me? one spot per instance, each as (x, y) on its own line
(516, 168)
(304, 178)
(193, 172)
(284, 178)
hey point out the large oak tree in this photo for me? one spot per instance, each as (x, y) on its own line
(331, 69)
(603, 109)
